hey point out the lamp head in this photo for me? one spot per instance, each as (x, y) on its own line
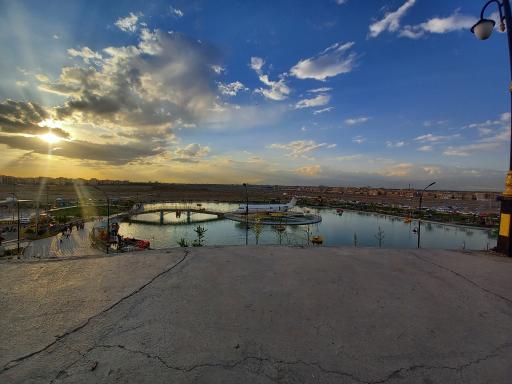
(483, 28)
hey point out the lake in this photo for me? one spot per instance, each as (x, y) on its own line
(335, 230)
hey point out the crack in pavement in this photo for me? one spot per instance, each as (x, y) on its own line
(396, 373)
(227, 364)
(276, 362)
(13, 363)
(509, 301)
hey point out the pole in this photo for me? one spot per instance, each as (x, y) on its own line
(419, 221)
(18, 205)
(108, 215)
(508, 24)
(108, 223)
(419, 214)
(246, 216)
(504, 244)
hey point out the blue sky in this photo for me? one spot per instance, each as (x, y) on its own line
(381, 93)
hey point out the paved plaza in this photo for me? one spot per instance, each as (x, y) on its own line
(258, 315)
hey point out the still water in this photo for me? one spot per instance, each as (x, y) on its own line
(335, 230)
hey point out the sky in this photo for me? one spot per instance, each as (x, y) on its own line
(382, 93)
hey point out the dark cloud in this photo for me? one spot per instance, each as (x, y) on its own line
(23, 117)
(77, 149)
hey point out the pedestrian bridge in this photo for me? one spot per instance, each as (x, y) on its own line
(178, 208)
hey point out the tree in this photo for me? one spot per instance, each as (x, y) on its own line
(307, 231)
(200, 231)
(380, 236)
(257, 228)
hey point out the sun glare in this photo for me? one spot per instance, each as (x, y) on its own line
(50, 138)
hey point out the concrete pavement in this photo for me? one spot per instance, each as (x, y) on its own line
(77, 244)
(259, 315)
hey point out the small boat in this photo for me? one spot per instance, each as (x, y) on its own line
(317, 239)
(407, 220)
(339, 211)
(280, 228)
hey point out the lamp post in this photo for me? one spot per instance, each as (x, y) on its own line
(483, 30)
(108, 216)
(419, 215)
(18, 210)
(246, 215)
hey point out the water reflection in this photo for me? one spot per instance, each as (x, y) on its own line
(345, 229)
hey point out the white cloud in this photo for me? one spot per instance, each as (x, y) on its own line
(357, 120)
(430, 138)
(340, 2)
(176, 12)
(398, 144)
(191, 153)
(317, 101)
(231, 89)
(455, 22)
(494, 134)
(128, 23)
(141, 92)
(320, 90)
(466, 150)
(277, 90)
(425, 148)
(331, 62)
(86, 54)
(358, 139)
(218, 69)
(349, 157)
(502, 121)
(56, 37)
(257, 63)
(309, 170)
(323, 110)
(300, 148)
(432, 170)
(391, 20)
(42, 77)
(398, 170)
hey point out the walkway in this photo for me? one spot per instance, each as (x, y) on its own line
(77, 244)
(259, 315)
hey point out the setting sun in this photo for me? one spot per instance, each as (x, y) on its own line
(50, 138)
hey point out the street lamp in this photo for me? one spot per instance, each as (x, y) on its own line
(108, 216)
(246, 215)
(483, 30)
(18, 209)
(419, 215)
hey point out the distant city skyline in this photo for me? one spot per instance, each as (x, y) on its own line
(329, 92)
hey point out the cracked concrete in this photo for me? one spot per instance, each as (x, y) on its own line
(259, 315)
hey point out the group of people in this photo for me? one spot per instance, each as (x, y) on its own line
(66, 231)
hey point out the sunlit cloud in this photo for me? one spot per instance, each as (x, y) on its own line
(332, 61)
(128, 23)
(300, 148)
(391, 20)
